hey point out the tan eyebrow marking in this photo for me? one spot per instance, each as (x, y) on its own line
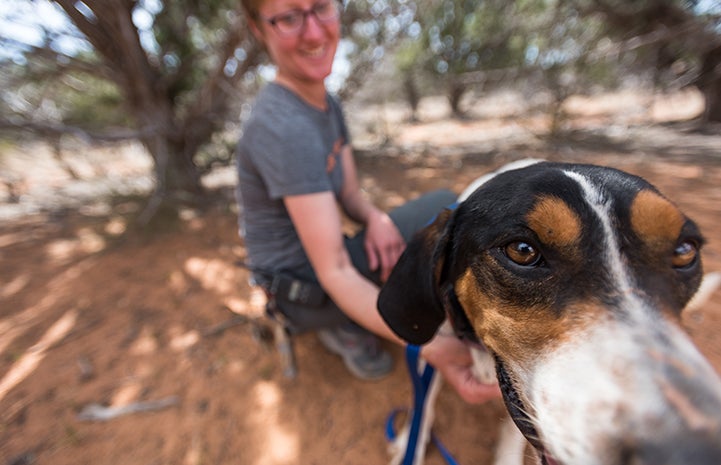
(515, 331)
(654, 219)
(554, 222)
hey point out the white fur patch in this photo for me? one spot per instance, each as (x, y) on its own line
(478, 182)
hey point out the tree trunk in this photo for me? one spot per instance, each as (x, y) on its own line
(455, 94)
(712, 112)
(412, 95)
(175, 172)
(709, 83)
(170, 140)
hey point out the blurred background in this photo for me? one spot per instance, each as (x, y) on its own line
(178, 76)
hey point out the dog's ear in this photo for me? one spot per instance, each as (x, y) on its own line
(410, 301)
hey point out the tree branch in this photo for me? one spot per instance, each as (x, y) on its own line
(49, 129)
(212, 101)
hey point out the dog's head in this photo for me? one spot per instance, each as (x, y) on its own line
(574, 278)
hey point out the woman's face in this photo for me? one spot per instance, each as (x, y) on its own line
(301, 37)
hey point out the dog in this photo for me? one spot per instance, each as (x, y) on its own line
(571, 278)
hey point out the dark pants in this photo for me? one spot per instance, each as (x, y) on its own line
(408, 218)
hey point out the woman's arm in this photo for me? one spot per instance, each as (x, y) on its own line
(383, 242)
(318, 223)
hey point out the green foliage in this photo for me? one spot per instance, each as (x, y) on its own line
(92, 103)
(457, 39)
(73, 98)
(572, 45)
(461, 36)
(187, 36)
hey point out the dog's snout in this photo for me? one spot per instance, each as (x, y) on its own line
(651, 400)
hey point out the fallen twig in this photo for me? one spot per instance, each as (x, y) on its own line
(97, 412)
(219, 328)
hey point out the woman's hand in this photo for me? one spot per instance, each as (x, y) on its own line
(452, 358)
(383, 243)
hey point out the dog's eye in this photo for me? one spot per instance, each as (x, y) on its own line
(522, 253)
(685, 254)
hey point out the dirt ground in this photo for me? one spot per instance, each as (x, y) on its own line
(93, 311)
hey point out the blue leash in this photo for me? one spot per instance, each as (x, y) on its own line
(421, 384)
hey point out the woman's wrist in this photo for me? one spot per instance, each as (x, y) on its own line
(453, 360)
(374, 214)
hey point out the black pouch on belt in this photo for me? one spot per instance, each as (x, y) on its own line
(297, 291)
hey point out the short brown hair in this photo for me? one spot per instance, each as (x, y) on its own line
(251, 8)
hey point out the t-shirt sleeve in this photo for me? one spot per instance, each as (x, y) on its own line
(338, 111)
(285, 151)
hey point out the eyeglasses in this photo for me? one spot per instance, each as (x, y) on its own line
(292, 22)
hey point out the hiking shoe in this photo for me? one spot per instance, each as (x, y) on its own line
(360, 350)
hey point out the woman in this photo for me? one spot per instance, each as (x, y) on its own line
(296, 169)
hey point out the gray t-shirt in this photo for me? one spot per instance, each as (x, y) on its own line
(287, 148)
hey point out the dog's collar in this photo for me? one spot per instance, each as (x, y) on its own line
(457, 316)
